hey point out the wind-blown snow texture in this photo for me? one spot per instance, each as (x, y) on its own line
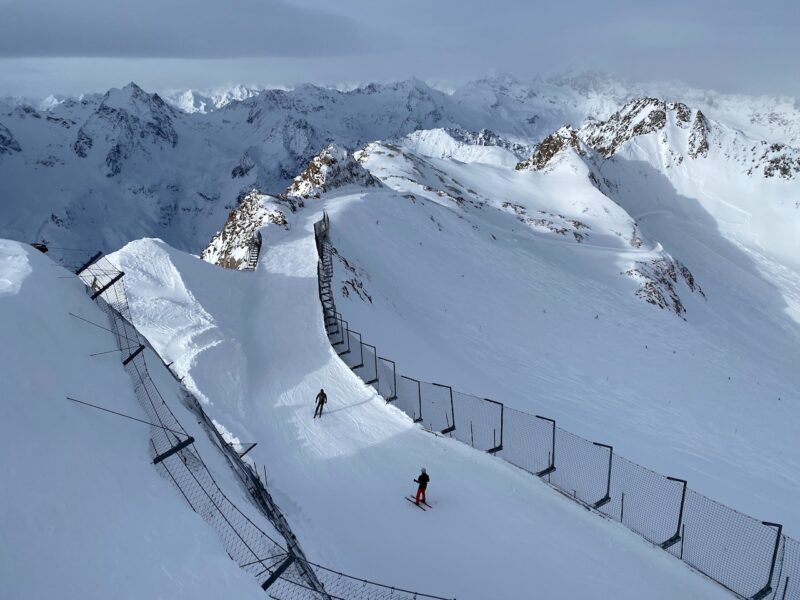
(83, 512)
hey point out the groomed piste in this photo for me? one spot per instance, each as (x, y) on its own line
(252, 347)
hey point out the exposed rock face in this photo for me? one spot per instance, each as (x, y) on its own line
(777, 159)
(330, 169)
(698, 138)
(230, 248)
(8, 143)
(649, 115)
(128, 121)
(244, 167)
(636, 118)
(487, 137)
(550, 146)
(547, 221)
(658, 280)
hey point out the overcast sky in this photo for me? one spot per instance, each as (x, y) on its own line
(74, 46)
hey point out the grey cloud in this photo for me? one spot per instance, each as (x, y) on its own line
(174, 29)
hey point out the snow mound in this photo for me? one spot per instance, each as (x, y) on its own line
(79, 489)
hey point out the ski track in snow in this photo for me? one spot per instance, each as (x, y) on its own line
(496, 531)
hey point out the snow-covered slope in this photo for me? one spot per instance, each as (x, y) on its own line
(254, 347)
(527, 286)
(83, 512)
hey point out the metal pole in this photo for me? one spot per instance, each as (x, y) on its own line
(767, 589)
(552, 466)
(499, 446)
(607, 498)
(450, 428)
(677, 536)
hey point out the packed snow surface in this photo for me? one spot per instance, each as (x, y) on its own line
(252, 345)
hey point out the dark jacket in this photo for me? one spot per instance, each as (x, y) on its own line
(423, 480)
(322, 398)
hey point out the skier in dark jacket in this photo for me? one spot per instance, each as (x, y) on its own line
(321, 400)
(422, 480)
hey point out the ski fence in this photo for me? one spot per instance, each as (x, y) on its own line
(751, 558)
(269, 551)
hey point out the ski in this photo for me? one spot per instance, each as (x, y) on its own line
(414, 502)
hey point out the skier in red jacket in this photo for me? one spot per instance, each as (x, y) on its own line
(422, 480)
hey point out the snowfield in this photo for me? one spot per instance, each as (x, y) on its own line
(253, 345)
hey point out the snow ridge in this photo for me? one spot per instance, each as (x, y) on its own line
(179, 462)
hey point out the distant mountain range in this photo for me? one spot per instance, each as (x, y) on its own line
(101, 170)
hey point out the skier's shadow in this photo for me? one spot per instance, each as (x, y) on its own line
(350, 406)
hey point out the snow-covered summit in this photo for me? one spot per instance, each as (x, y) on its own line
(680, 133)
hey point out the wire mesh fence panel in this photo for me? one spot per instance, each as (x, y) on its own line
(337, 334)
(645, 501)
(478, 421)
(368, 372)
(726, 545)
(409, 397)
(355, 357)
(387, 379)
(581, 467)
(526, 441)
(437, 407)
(788, 577)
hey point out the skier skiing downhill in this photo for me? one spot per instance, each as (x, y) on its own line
(422, 480)
(322, 398)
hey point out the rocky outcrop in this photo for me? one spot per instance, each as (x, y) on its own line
(549, 147)
(547, 221)
(487, 137)
(777, 160)
(8, 142)
(698, 138)
(243, 168)
(231, 247)
(332, 168)
(639, 117)
(658, 282)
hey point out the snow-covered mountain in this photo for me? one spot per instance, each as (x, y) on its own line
(100, 170)
(650, 238)
(625, 265)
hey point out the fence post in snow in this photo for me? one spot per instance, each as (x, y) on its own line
(767, 589)
(677, 536)
(552, 466)
(452, 426)
(345, 327)
(360, 349)
(607, 498)
(418, 418)
(394, 378)
(497, 446)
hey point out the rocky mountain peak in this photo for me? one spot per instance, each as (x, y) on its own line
(566, 137)
(127, 119)
(332, 168)
(637, 117)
